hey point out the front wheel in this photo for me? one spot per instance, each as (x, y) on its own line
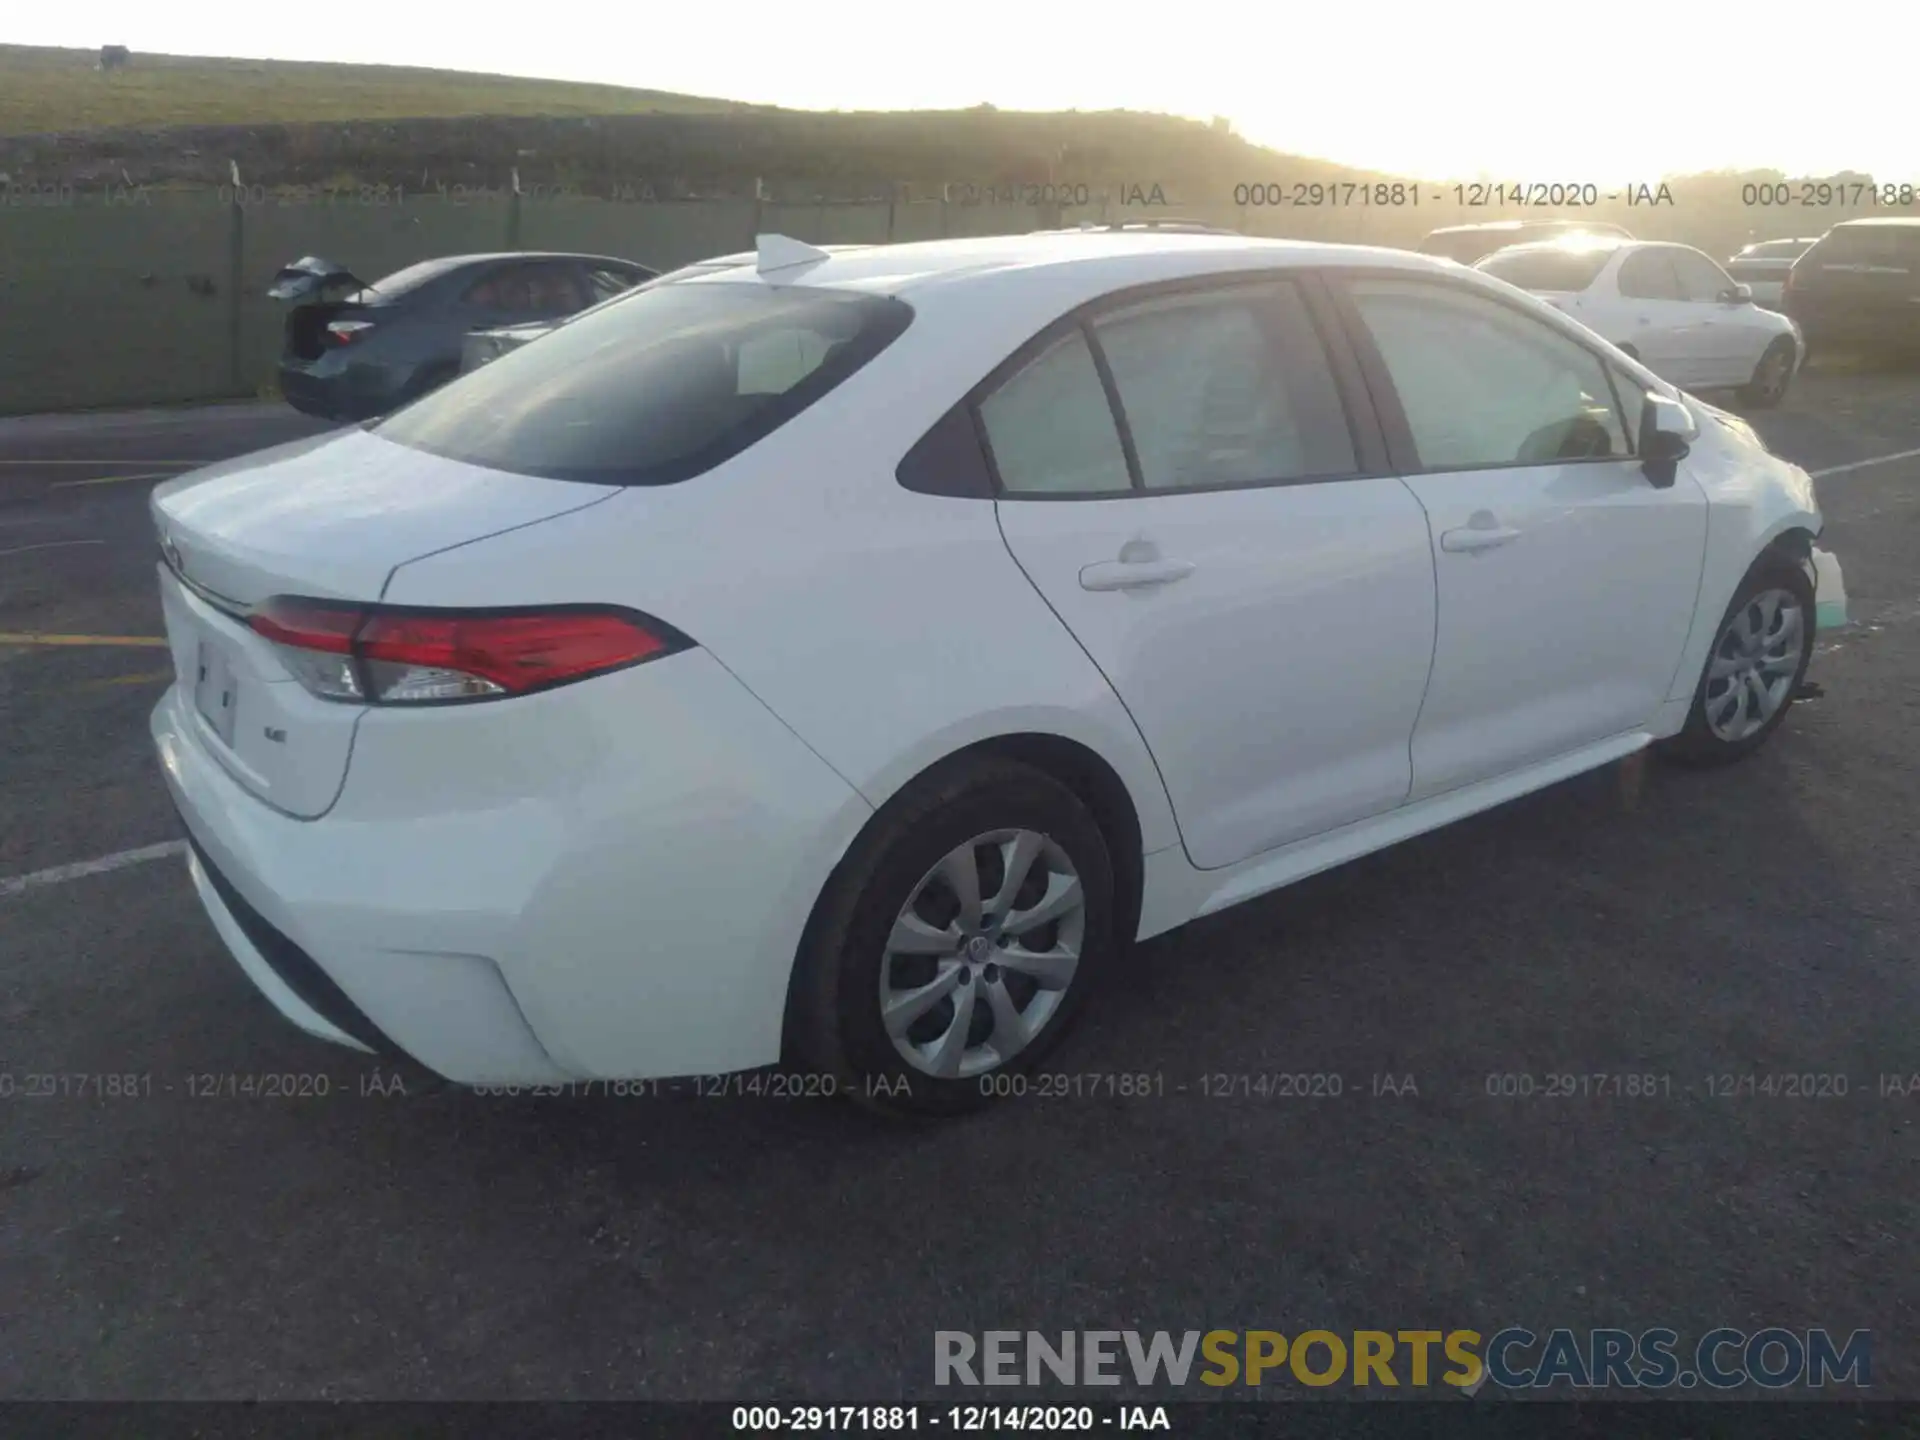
(956, 942)
(1756, 665)
(1770, 377)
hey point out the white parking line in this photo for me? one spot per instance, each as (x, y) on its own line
(60, 874)
(50, 545)
(1864, 464)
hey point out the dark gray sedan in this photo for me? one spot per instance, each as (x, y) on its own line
(374, 347)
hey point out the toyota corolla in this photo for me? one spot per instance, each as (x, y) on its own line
(838, 658)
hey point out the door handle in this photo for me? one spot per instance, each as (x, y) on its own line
(1133, 574)
(1476, 537)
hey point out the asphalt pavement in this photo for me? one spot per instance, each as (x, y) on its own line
(171, 1226)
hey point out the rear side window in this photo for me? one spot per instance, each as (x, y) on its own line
(1050, 428)
(1556, 269)
(657, 389)
(1226, 388)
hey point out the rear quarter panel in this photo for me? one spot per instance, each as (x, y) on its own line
(888, 629)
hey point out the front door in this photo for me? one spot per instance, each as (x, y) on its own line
(1567, 581)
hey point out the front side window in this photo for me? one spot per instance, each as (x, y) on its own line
(1702, 281)
(608, 283)
(1050, 428)
(1225, 388)
(1633, 400)
(1649, 275)
(1483, 385)
(657, 389)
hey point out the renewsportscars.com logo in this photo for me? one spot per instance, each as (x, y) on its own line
(1513, 1359)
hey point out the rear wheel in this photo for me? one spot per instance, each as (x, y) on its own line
(957, 941)
(1770, 377)
(1758, 660)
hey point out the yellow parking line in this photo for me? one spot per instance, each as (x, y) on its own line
(145, 677)
(31, 639)
(112, 479)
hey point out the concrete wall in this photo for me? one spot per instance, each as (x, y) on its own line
(144, 297)
(129, 296)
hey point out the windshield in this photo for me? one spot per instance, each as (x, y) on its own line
(655, 389)
(1553, 268)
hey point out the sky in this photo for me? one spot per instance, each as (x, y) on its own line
(1597, 92)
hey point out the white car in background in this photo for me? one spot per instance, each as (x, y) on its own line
(839, 657)
(1762, 267)
(1667, 305)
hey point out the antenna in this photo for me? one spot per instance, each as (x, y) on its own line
(779, 252)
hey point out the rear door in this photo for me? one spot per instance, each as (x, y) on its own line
(1566, 579)
(1180, 478)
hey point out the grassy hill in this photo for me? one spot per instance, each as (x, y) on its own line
(44, 89)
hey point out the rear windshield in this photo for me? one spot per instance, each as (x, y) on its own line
(1554, 269)
(657, 388)
(1774, 250)
(1465, 246)
(401, 282)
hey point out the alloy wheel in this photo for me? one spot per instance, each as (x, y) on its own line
(982, 954)
(1751, 673)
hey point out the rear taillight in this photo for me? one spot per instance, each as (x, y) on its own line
(343, 332)
(392, 655)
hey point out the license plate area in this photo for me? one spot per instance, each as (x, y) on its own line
(216, 688)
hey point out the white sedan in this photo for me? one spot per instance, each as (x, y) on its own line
(841, 657)
(1669, 306)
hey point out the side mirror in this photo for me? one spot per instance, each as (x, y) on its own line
(1667, 433)
(1738, 295)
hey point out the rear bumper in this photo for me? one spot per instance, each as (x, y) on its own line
(1851, 325)
(606, 888)
(356, 392)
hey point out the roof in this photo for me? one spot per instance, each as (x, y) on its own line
(1899, 222)
(482, 257)
(1557, 222)
(1099, 259)
(1588, 244)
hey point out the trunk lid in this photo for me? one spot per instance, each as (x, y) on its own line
(331, 517)
(308, 276)
(309, 280)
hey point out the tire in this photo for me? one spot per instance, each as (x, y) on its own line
(1700, 742)
(1771, 377)
(835, 1022)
